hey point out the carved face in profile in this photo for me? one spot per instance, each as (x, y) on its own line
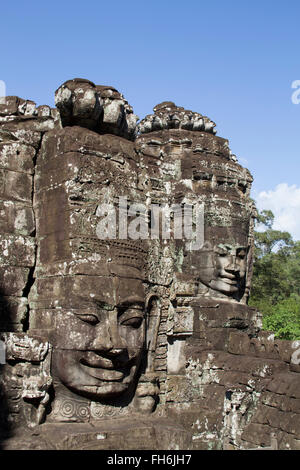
(99, 344)
(223, 267)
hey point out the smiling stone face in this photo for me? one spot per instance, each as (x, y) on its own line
(231, 263)
(89, 295)
(222, 267)
(99, 344)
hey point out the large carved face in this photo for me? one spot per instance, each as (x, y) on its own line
(99, 329)
(99, 344)
(223, 267)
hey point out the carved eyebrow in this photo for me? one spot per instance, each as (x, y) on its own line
(179, 141)
(104, 305)
(132, 300)
(224, 247)
(154, 142)
(122, 304)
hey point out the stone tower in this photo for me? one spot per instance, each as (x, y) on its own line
(126, 264)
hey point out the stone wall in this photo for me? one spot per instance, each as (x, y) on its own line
(126, 343)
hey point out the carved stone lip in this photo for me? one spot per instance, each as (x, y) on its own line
(228, 280)
(107, 375)
(98, 360)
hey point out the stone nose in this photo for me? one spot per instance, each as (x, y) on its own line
(107, 338)
(232, 265)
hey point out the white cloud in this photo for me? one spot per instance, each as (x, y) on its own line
(284, 202)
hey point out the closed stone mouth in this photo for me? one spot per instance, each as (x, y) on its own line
(231, 281)
(109, 375)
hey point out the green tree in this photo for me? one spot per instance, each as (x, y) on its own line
(284, 318)
(276, 279)
(268, 240)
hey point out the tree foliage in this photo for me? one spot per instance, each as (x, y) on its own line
(276, 279)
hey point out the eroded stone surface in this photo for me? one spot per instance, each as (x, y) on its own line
(126, 343)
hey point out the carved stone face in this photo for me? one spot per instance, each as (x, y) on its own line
(158, 147)
(223, 268)
(99, 346)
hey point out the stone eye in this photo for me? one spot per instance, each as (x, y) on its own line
(134, 322)
(222, 253)
(132, 316)
(88, 318)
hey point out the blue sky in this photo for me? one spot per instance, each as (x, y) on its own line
(232, 60)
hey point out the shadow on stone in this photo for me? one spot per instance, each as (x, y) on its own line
(5, 325)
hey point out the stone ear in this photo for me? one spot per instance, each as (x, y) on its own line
(153, 312)
(149, 301)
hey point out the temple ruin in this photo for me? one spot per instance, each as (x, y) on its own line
(140, 337)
